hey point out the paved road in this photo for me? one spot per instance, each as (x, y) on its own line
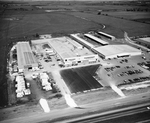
(94, 109)
(131, 42)
(137, 115)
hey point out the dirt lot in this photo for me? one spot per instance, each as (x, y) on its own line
(81, 79)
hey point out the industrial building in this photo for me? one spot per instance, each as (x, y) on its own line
(25, 57)
(146, 39)
(71, 52)
(116, 51)
(110, 37)
(92, 37)
(82, 41)
(144, 42)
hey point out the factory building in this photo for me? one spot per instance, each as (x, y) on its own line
(25, 57)
(98, 40)
(144, 42)
(116, 51)
(82, 41)
(71, 52)
(110, 37)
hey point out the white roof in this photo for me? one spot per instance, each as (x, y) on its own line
(74, 43)
(66, 50)
(119, 50)
(20, 83)
(39, 41)
(43, 76)
(25, 56)
(106, 34)
(96, 39)
(82, 40)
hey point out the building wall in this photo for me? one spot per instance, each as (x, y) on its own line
(80, 60)
(135, 53)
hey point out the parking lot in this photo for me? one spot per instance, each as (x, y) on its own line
(123, 71)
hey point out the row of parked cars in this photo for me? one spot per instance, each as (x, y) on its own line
(123, 61)
(135, 80)
(145, 65)
(130, 72)
(109, 69)
(47, 58)
(129, 66)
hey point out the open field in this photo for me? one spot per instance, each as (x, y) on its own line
(116, 26)
(135, 16)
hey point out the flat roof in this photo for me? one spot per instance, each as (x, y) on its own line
(106, 34)
(66, 50)
(96, 39)
(39, 41)
(25, 56)
(74, 43)
(82, 40)
(116, 50)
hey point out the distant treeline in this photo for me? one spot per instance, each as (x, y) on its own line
(138, 9)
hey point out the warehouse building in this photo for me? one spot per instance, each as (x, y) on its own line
(25, 57)
(82, 41)
(116, 51)
(144, 42)
(72, 53)
(92, 37)
(110, 37)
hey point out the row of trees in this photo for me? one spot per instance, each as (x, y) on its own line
(138, 9)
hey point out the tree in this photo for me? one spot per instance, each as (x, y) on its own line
(99, 13)
(37, 35)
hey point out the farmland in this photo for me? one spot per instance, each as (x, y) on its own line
(129, 15)
(116, 29)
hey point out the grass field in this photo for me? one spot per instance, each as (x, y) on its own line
(80, 79)
(128, 15)
(117, 26)
(136, 16)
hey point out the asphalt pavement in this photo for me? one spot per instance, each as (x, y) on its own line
(86, 111)
(137, 115)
